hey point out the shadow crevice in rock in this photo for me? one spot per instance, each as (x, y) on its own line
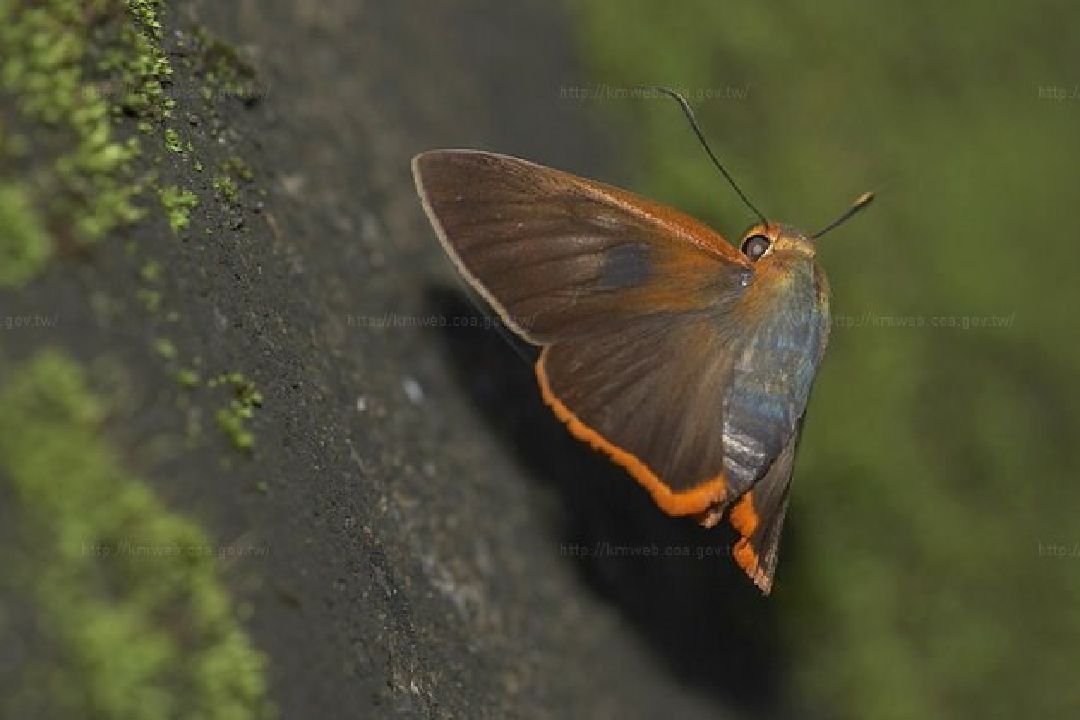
(671, 581)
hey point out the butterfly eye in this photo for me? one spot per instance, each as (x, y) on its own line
(755, 246)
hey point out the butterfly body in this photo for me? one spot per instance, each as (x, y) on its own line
(687, 361)
(783, 322)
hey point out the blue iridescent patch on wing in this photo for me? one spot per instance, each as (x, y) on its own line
(773, 373)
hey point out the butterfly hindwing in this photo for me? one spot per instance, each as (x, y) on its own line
(758, 516)
(648, 392)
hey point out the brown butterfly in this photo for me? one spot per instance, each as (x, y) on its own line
(687, 361)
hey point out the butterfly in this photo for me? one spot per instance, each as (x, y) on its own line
(686, 360)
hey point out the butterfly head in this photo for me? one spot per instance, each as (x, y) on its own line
(771, 244)
(784, 244)
(783, 264)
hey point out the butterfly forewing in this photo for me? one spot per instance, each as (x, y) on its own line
(558, 255)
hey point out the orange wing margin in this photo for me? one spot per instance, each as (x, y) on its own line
(687, 502)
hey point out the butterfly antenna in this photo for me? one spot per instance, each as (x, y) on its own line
(861, 203)
(705, 144)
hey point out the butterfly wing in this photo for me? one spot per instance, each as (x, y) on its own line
(623, 293)
(648, 392)
(708, 402)
(758, 516)
(557, 255)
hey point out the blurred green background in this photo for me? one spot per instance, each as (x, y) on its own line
(935, 507)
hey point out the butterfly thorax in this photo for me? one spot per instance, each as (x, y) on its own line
(783, 314)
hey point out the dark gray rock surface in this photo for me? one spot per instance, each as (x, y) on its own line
(433, 532)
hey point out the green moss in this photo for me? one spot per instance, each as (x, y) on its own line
(237, 168)
(45, 56)
(178, 204)
(150, 299)
(132, 616)
(24, 243)
(232, 424)
(241, 408)
(145, 12)
(187, 378)
(150, 271)
(226, 188)
(172, 141)
(71, 67)
(136, 58)
(165, 348)
(225, 72)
